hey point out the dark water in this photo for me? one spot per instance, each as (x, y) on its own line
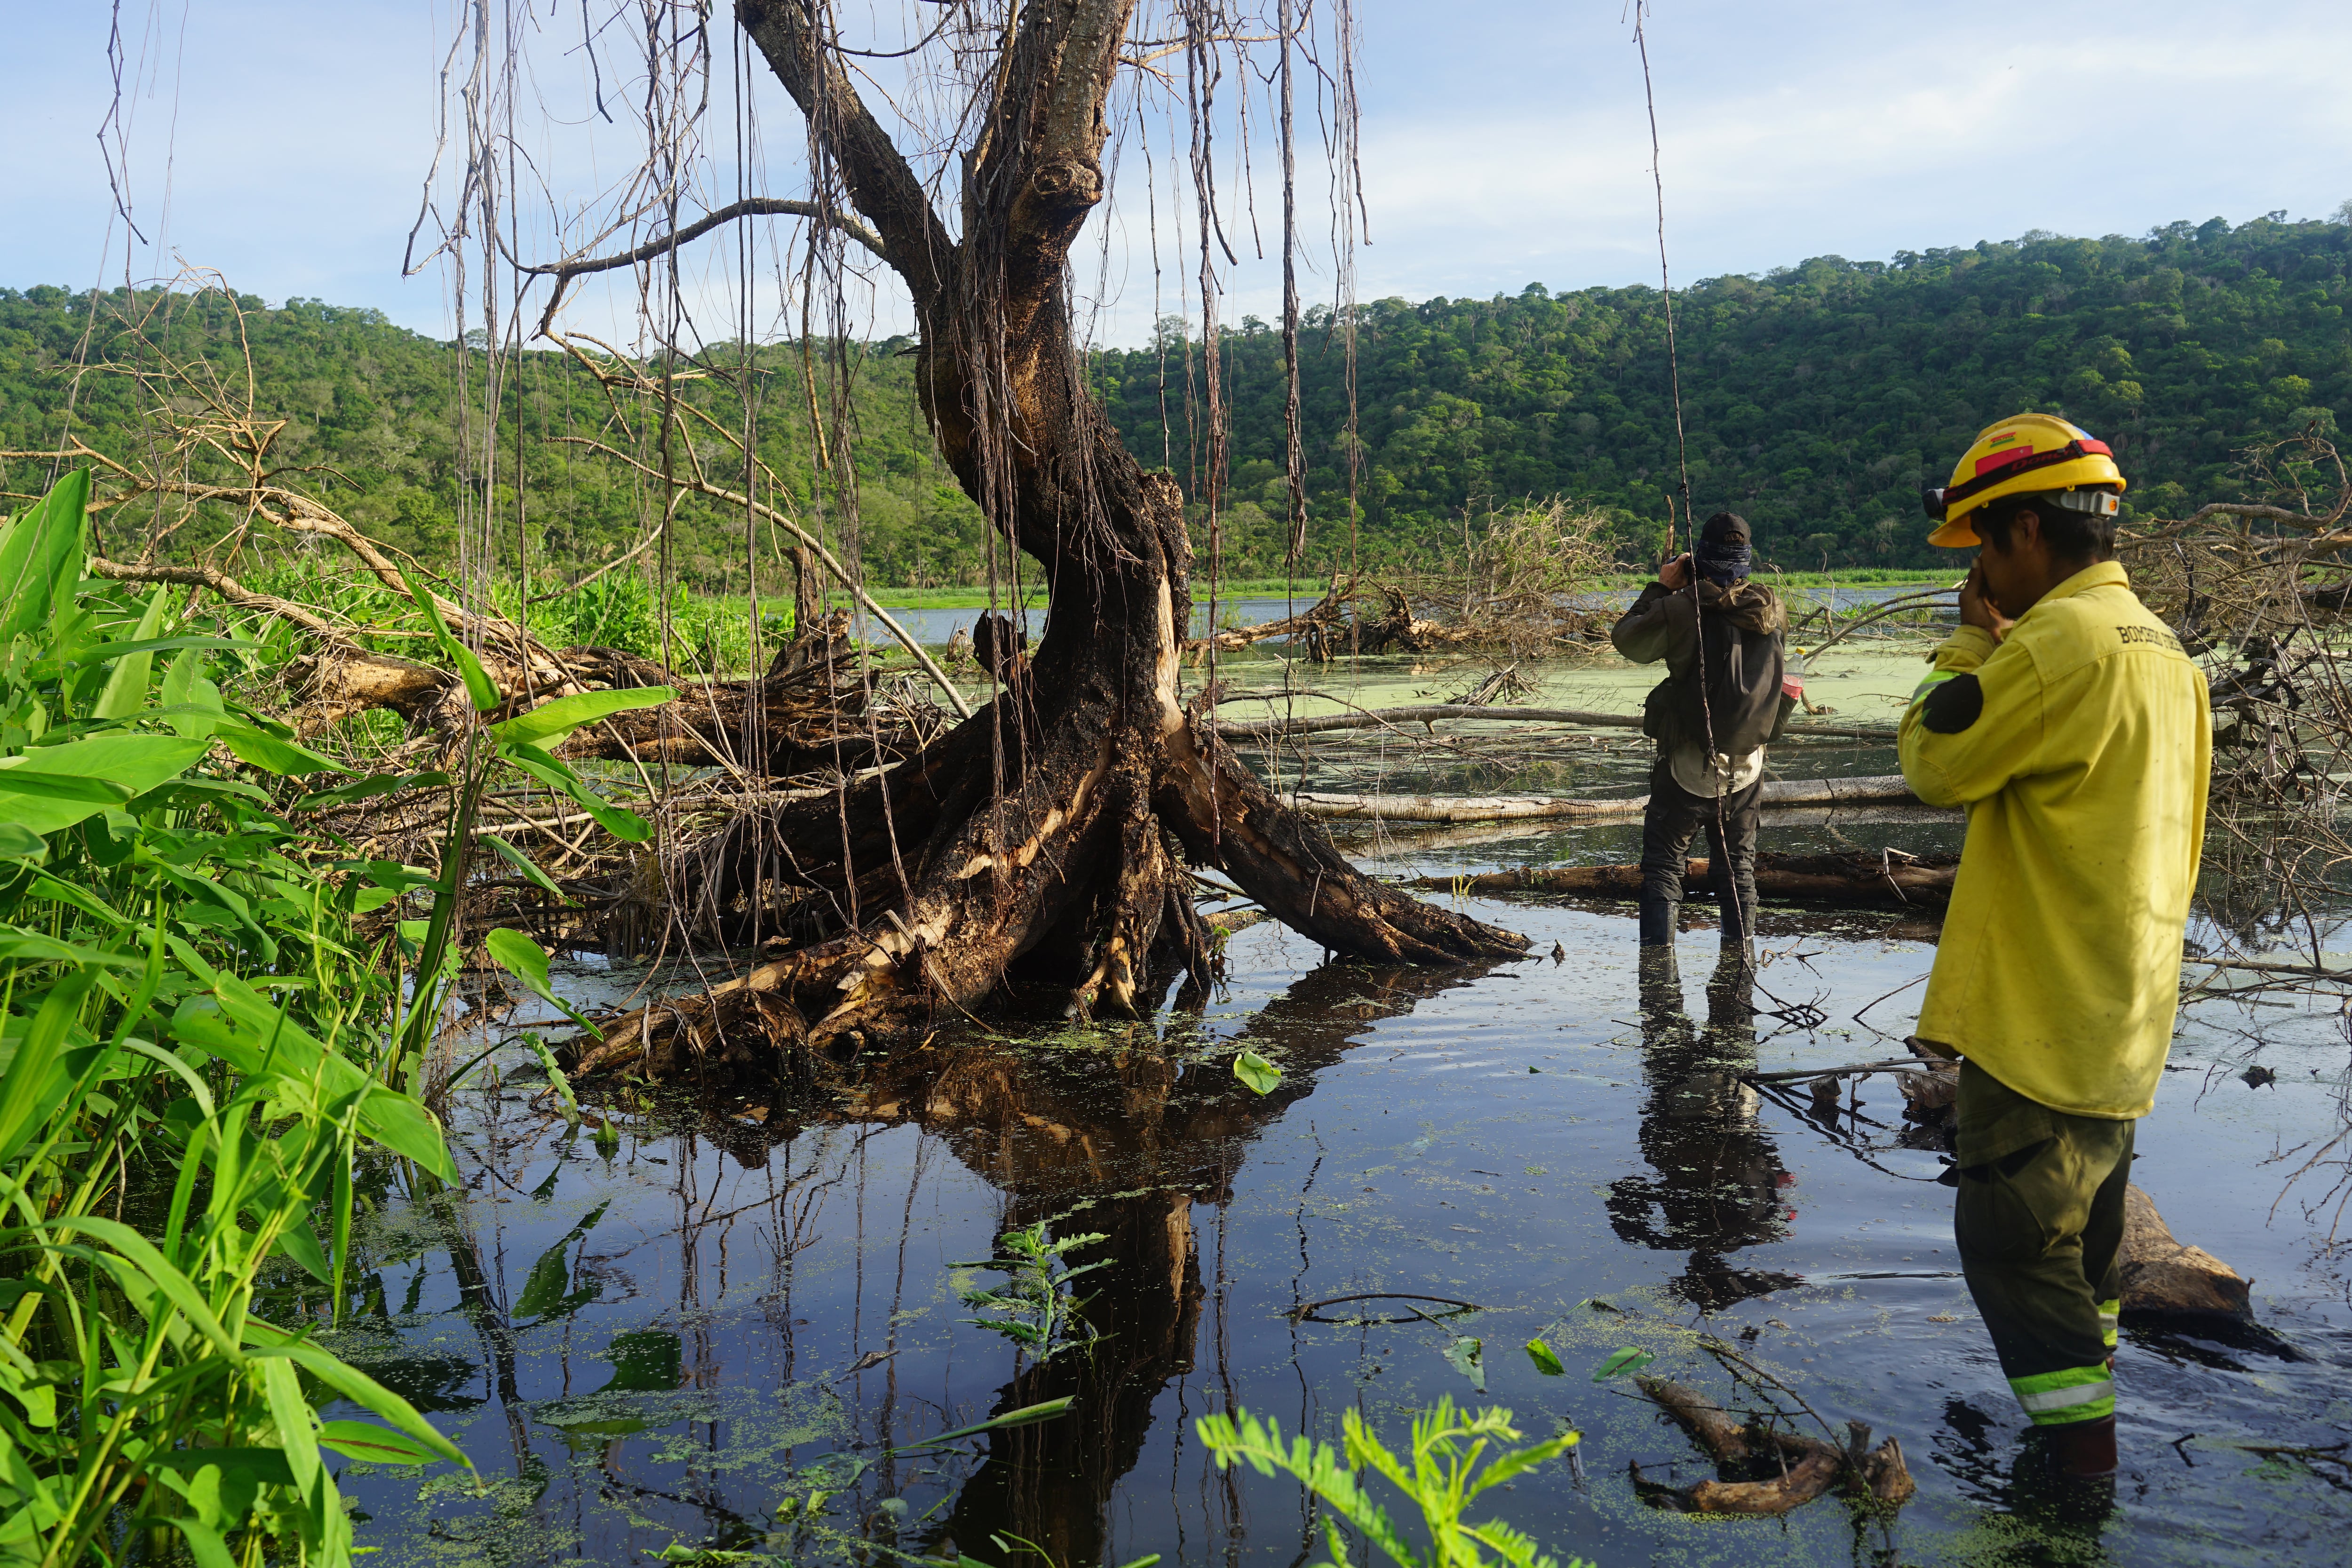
(658, 1345)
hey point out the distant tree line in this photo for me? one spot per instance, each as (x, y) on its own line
(1817, 399)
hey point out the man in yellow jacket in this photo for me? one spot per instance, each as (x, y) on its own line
(2068, 721)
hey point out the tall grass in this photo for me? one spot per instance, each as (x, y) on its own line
(199, 1053)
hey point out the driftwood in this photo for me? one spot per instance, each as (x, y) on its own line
(2165, 1280)
(1428, 713)
(1769, 1472)
(1857, 878)
(1505, 808)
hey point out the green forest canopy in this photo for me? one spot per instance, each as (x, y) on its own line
(1818, 398)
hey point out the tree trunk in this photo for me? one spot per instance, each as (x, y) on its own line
(1040, 840)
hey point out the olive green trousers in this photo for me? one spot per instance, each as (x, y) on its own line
(2040, 1219)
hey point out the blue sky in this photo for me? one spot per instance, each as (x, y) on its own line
(1505, 143)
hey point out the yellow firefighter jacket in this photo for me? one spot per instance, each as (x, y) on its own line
(2081, 746)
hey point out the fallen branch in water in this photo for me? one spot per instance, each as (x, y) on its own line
(1429, 713)
(1501, 809)
(1857, 878)
(1765, 1471)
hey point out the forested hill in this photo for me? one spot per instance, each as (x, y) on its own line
(1818, 398)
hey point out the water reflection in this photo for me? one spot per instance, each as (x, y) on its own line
(1718, 1179)
(1122, 1139)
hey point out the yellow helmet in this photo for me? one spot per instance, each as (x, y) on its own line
(2030, 452)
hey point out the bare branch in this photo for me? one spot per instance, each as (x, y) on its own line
(754, 207)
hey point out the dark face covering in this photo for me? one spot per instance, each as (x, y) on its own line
(1723, 555)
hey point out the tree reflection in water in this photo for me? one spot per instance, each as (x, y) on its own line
(1125, 1142)
(1717, 1181)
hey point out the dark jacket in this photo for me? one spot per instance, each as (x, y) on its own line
(1662, 624)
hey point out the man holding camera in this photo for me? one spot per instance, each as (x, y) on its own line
(1722, 637)
(2069, 722)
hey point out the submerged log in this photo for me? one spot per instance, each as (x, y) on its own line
(1505, 808)
(1768, 1472)
(2166, 1279)
(1855, 877)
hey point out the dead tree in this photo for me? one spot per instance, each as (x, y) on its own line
(1042, 837)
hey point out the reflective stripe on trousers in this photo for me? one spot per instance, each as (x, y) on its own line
(2057, 1398)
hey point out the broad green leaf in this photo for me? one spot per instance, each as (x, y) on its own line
(18, 842)
(41, 556)
(1258, 1072)
(552, 722)
(352, 1384)
(81, 899)
(527, 961)
(377, 1445)
(1468, 1357)
(281, 1388)
(204, 1542)
(103, 651)
(57, 786)
(520, 862)
(1546, 1359)
(480, 687)
(137, 764)
(369, 788)
(624, 824)
(1630, 1359)
(39, 947)
(29, 1095)
(126, 685)
(256, 748)
(141, 1253)
(608, 1137)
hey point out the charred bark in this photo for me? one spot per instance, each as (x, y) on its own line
(1039, 840)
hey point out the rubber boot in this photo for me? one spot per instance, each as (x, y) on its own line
(2083, 1450)
(1659, 918)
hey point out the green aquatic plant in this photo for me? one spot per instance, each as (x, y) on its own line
(1442, 1478)
(1035, 1308)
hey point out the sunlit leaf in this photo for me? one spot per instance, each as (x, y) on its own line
(132, 764)
(126, 684)
(1468, 1357)
(527, 961)
(552, 722)
(1630, 1359)
(1547, 1360)
(256, 748)
(522, 863)
(1258, 1072)
(378, 1445)
(480, 687)
(41, 556)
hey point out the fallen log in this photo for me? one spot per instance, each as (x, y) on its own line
(2165, 1280)
(1429, 712)
(1857, 878)
(1505, 808)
